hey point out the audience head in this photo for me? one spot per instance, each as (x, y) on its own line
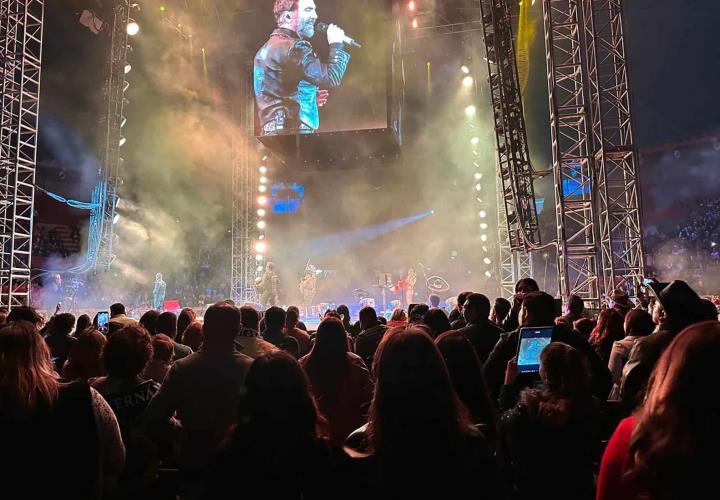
(186, 316)
(27, 374)
(538, 309)
(584, 326)
(85, 359)
(398, 315)
(476, 308)
(382, 320)
(292, 317)
(638, 323)
(193, 336)
(467, 377)
(434, 300)
(368, 317)
(250, 317)
(500, 310)
(674, 440)
(437, 321)
(62, 324)
(274, 318)
(461, 299)
(564, 372)
(221, 325)
(117, 309)
(25, 313)
(679, 306)
(127, 352)
(526, 285)
(415, 405)
(575, 305)
(327, 362)
(344, 312)
(167, 324)
(3, 314)
(83, 323)
(609, 328)
(163, 348)
(277, 408)
(419, 310)
(149, 321)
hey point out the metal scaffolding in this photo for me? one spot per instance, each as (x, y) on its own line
(513, 159)
(618, 204)
(21, 30)
(112, 122)
(244, 191)
(571, 150)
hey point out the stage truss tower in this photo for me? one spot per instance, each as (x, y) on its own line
(21, 31)
(112, 140)
(618, 201)
(244, 192)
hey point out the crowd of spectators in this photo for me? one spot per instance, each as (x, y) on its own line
(431, 405)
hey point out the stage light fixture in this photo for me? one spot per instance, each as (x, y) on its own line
(261, 237)
(260, 269)
(411, 6)
(487, 261)
(468, 81)
(261, 224)
(465, 69)
(478, 176)
(415, 23)
(483, 225)
(263, 180)
(488, 274)
(123, 121)
(470, 110)
(259, 258)
(263, 170)
(261, 212)
(262, 200)
(478, 187)
(126, 85)
(482, 214)
(133, 28)
(116, 218)
(483, 237)
(127, 68)
(474, 141)
(122, 141)
(262, 188)
(260, 247)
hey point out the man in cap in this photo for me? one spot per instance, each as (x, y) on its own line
(677, 307)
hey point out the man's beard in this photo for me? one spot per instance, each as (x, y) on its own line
(306, 29)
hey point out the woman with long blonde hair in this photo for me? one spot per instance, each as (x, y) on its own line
(67, 429)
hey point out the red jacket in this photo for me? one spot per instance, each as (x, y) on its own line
(615, 463)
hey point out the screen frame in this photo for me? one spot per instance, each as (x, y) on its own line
(532, 333)
(103, 322)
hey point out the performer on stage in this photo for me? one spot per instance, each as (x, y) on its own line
(159, 292)
(308, 287)
(288, 73)
(269, 286)
(410, 288)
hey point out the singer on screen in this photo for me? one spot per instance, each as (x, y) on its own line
(288, 74)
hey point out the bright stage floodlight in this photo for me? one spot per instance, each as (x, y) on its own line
(487, 261)
(263, 170)
(262, 200)
(411, 5)
(122, 141)
(483, 225)
(260, 247)
(133, 28)
(116, 218)
(465, 69)
(261, 224)
(470, 110)
(127, 68)
(488, 274)
(478, 187)
(259, 257)
(482, 214)
(261, 212)
(483, 237)
(468, 81)
(415, 23)
(474, 141)
(478, 176)
(262, 188)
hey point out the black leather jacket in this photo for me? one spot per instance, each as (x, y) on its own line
(287, 75)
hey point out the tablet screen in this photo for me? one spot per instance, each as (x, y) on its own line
(532, 342)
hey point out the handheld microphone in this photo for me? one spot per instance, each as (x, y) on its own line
(322, 27)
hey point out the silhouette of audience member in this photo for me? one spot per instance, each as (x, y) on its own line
(437, 321)
(339, 380)
(248, 339)
(59, 340)
(275, 439)
(159, 365)
(668, 448)
(40, 417)
(480, 331)
(371, 333)
(292, 317)
(274, 325)
(608, 330)
(85, 359)
(167, 324)
(501, 308)
(638, 324)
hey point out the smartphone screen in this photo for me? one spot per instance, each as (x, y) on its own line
(103, 321)
(532, 342)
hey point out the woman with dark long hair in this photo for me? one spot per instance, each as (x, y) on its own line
(339, 380)
(467, 377)
(40, 417)
(419, 441)
(546, 442)
(668, 449)
(186, 317)
(608, 330)
(437, 321)
(85, 359)
(276, 443)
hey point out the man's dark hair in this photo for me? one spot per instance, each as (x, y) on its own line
(292, 316)
(127, 352)
(540, 308)
(576, 305)
(116, 309)
(501, 307)
(167, 324)
(434, 300)
(250, 317)
(275, 317)
(479, 304)
(462, 296)
(368, 317)
(419, 310)
(222, 322)
(149, 321)
(63, 324)
(24, 313)
(283, 6)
